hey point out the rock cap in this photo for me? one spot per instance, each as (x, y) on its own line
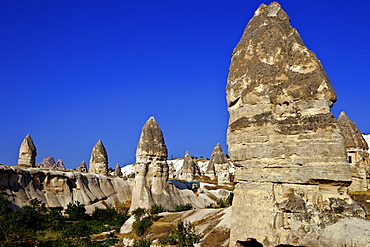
(151, 141)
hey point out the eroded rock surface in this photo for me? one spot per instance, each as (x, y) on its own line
(357, 151)
(57, 188)
(290, 157)
(99, 159)
(27, 153)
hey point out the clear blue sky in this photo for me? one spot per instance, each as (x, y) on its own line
(73, 72)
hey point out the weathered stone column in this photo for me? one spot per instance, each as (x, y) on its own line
(290, 157)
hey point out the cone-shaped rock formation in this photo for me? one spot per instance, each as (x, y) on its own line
(189, 170)
(82, 167)
(218, 166)
(99, 159)
(27, 153)
(118, 171)
(357, 151)
(282, 137)
(151, 171)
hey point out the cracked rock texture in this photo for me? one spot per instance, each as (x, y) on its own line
(292, 171)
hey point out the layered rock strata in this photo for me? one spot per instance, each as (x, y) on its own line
(292, 172)
(357, 151)
(99, 159)
(190, 170)
(151, 173)
(58, 188)
(27, 153)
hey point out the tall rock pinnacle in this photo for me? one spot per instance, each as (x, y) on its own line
(282, 137)
(151, 168)
(99, 159)
(27, 153)
(357, 151)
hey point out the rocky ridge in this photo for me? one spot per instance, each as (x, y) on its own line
(50, 163)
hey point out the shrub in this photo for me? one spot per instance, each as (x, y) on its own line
(223, 202)
(183, 235)
(138, 213)
(141, 243)
(183, 207)
(140, 226)
(156, 209)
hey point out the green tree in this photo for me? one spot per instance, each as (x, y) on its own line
(183, 235)
(76, 211)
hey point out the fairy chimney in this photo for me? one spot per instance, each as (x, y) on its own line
(27, 153)
(99, 159)
(357, 152)
(151, 168)
(118, 171)
(219, 166)
(290, 157)
(82, 167)
(190, 169)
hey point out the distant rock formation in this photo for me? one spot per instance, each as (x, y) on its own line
(99, 159)
(118, 171)
(190, 169)
(27, 153)
(292, 172)
(50, 163)
(219, 166)
(58, 188)
(82, 167)
(357, 151)
(151, 173)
